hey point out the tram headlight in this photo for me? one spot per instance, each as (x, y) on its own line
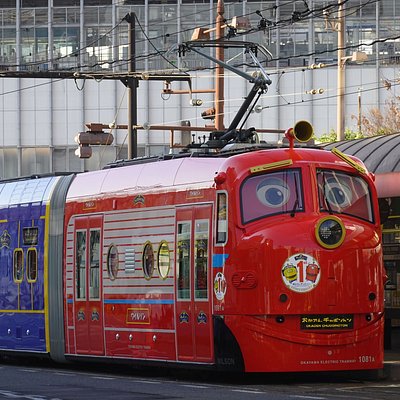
(330, 232)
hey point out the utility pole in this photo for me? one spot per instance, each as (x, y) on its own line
(132, 84)
(359, 118)
(219, 72)
(341, 76)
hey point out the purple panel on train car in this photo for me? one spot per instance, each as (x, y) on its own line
(22, 289)
(22, 332)
(25, 290)
(23, 206)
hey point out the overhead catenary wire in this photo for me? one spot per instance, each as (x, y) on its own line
(230, 100)
(353, 90)
(159, 53)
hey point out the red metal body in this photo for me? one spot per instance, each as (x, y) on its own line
(157, 268)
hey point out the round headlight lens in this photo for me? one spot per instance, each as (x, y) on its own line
(330, 232)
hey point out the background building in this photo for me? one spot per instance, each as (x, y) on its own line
(39, 118)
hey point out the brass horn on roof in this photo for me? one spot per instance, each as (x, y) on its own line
(301, 131)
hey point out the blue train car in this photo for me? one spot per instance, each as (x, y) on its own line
(31, 229)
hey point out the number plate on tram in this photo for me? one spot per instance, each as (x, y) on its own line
(323, 321)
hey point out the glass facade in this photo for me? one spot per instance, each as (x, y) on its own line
(83, 35)
(42, 35)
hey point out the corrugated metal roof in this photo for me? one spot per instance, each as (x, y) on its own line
(380, 154)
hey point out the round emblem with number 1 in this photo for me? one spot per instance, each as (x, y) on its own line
(301, 273)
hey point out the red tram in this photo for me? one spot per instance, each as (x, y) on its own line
(233, 255)
(256, 261)
(262, 261)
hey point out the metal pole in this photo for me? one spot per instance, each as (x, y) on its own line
(219, 72)
(277, 66)
(132, 90)
(341, 76)
(16, 61)
(359, 112)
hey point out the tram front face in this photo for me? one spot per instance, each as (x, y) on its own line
(309, 244)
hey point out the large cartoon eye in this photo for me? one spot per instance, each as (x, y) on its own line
(338, 193)
(273, 192)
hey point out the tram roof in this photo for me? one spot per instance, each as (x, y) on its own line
(34, 190)
(147, 176)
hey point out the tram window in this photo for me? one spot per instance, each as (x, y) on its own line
(163, 260)
(222, 218)
(339, 192)
(31, 265)
(18, 265)
(112, 262)
(80, 264)
(201, 259)
(94, 280)
(148, 260)
(183, 261)
(270, 194)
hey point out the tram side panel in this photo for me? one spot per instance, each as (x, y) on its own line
(25, 215)
(137, 303)
(137, 277)
(138, 296)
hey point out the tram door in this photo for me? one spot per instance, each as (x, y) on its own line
(194, 324)
(88, 307)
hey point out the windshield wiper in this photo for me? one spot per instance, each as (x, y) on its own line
(328, 204)
(296, 203)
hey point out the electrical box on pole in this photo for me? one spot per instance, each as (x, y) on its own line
(94, 136)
